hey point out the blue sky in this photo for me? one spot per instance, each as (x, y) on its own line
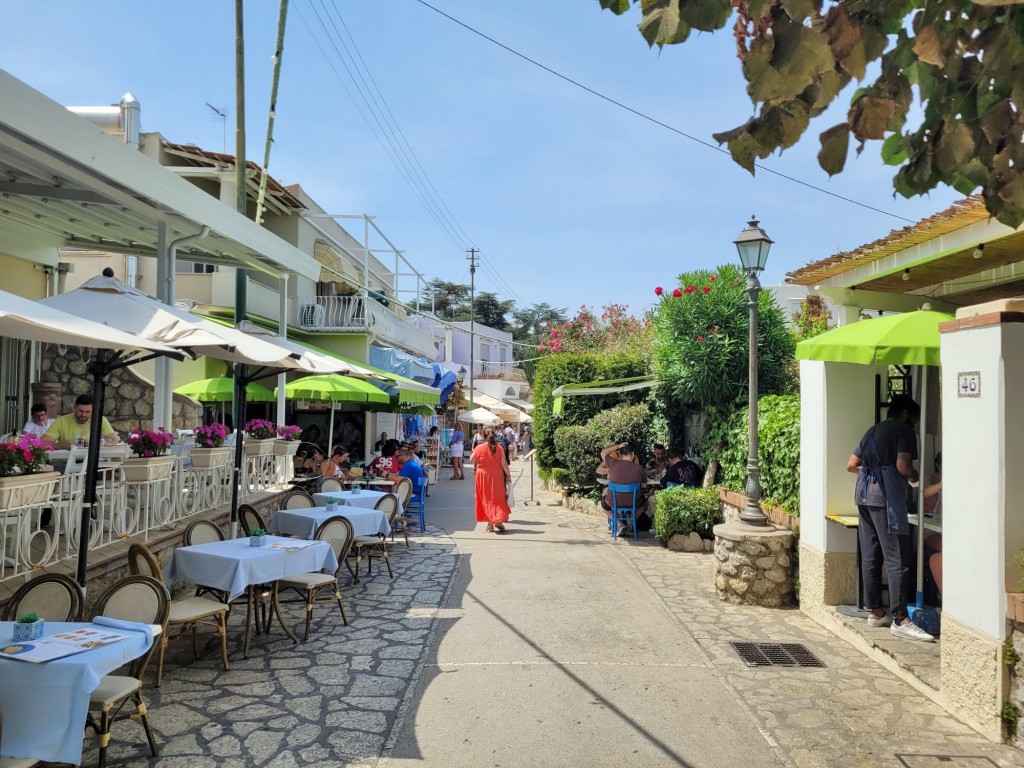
(571, 200)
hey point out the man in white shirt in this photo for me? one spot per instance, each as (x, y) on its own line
(511, 440)
(39, 421)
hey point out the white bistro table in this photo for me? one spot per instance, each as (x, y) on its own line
(45, 704)
(366, 499)
(304, 522)
(234, 567)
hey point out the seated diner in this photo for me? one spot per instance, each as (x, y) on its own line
(74, 428)
(624, 469)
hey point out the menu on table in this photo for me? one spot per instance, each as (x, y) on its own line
(291, 546)
(60, 645)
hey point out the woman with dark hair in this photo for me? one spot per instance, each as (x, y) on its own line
(491, 473)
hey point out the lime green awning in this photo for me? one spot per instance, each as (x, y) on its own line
(606, 387)
(221, 389)
(910, 338)
(334, 388)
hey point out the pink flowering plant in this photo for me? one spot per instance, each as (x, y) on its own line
(289, 432)
(260, 429)
(615, 330)
(25, 455)
(212, 436)
(145, 443)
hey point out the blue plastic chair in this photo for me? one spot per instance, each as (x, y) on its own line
(672, 485)
(419, 499)
(618, 513)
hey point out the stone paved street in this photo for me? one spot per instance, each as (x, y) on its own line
(551, 645)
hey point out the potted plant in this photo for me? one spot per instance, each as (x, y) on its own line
(259, 437)
(24, 481)
(287, 443)
(209, 451)
(257, 537)
(151, 461)
(28, 627)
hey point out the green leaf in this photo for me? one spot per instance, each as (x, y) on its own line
(662, 23)
(798, 10)
(835, 145)
(956, 147)
(618, 7)
(780, 126)
(893, 151)
(744, 151)
(706, 15)
(998, 120)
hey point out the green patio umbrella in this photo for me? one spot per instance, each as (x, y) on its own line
(220, 389)
(334, 388)
(910, 338)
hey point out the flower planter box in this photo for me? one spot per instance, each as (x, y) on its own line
(146, 470)
(286, 447)
(25, 632)
(257, 541)
(29, 490)
(253, 448)
(206, 458)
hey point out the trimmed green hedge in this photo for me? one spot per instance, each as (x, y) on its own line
(554, 371)
(686, 510)
(578, 448)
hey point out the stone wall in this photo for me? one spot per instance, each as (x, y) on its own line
(129, 397)
(1015, 662)
(973, 675)
(754, 566)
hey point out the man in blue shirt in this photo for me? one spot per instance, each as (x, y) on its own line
(411, 470)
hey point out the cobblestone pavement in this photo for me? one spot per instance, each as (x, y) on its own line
(853, 712)
(329, 702)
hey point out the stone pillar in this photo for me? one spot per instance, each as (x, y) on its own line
(50, 394)
(755, 564)
(983, 527)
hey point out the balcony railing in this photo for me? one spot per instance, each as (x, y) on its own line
(359, 314)
(29, 541)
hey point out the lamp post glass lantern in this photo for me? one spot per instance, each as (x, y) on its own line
(753, 245)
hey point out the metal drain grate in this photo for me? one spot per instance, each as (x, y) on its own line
(946, 761)
(776, 655)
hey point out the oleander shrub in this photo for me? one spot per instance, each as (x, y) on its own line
(686, 510)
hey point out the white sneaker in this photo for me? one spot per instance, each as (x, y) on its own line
(910, 631)
(879, 621)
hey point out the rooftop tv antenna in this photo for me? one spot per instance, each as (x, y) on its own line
(222, 115)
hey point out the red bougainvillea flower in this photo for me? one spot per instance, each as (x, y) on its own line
(700, 338)
(676, 293)
(706, 289)
(713, 278)
(689, 289)
(658, 291)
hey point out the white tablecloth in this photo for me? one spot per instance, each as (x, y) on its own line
(304, 522)
(45, 704)
(233, 565)
(366, 499)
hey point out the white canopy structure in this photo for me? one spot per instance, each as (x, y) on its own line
(479, 416)
(22, 318)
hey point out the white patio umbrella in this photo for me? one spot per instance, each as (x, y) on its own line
(317, 362)
(478, 416)
(24, 319)
(131, 310)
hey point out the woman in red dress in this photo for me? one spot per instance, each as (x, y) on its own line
(490, 474)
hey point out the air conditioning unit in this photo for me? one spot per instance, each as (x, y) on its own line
(312, 316)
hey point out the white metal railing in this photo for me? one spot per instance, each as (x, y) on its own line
(359, 314)
(31, 539)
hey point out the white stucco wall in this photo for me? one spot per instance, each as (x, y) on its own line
(836, 408)
(983, 486)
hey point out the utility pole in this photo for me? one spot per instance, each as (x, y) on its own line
(241, 276)
(472, 318)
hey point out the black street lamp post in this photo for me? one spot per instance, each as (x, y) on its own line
(753, 245)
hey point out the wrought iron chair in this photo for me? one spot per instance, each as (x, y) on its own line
(186, 613)
(298, 499)
(337, 531)
(369, 544)
(331, 485)
(136, 598)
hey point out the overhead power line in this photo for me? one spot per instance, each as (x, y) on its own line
(654, 120)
